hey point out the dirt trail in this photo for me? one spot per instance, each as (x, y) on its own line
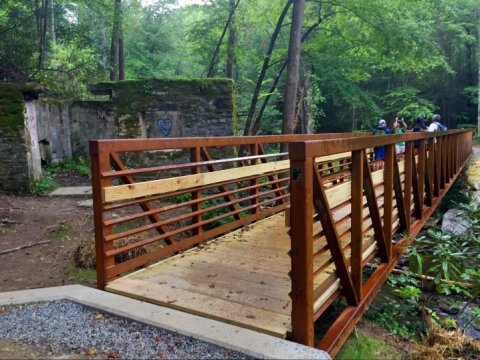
(31, 219)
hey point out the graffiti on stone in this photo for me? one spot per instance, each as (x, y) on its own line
(164, 125)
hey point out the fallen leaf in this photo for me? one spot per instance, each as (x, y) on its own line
(211, 285)
(172, 301)
(262, 282)
(91, 352)
(211, 275)
(158, 338)
(163, 354)
(113, 355)
(178, 341)
(98, 316)
(251, 316)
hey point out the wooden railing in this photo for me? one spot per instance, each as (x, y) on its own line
(358, 219)
(156, 197)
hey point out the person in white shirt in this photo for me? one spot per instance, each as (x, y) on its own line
(436, 125)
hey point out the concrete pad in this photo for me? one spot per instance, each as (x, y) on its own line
(229, 336)
(72, 191)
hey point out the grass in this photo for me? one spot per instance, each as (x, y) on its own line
(80, 273)
(367, 347)
(44, 186)
(61, 232)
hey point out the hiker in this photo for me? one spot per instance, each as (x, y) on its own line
(399, 127)
(420, 126)
(436, 125)
(381, 129)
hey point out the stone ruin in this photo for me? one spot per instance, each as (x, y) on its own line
(36, 130)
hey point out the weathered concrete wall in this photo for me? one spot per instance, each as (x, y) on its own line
(152, 108)
(19, 155)
(52, 130)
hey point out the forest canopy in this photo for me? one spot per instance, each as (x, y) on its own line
(360, 60)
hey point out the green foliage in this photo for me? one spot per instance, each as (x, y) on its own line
(406, 103)
(365, 346)
(80, 166)
(361, 60)
(68, 71)
(12, 121)
(81, 273)
(399, 317)
(45, 185)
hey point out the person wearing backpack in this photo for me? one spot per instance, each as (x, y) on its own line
(382, 129)
(436, 125)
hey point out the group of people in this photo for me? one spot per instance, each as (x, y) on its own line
(400, 127)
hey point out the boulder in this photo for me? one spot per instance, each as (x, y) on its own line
(456, 222)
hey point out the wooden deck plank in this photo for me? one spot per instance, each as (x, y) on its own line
(199, 304)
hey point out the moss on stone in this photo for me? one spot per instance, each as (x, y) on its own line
(12, 119)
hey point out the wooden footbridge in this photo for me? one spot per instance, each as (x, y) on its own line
(236, 230)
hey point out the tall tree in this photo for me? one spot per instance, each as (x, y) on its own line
(214, 60)
(265, 66)
(42, 26)
(231, 43)
(117, 54)
(293, 66)
(52, 21)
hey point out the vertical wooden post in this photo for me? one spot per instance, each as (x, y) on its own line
(438, 167)
(100, 162)
(254, 192)
(441, 142)
(301, 233)
(195, 157)
(356, 242)
(418, 210)
(451, 162)
(407, 199)
(388, 197)
(421, 172)
(429, 186)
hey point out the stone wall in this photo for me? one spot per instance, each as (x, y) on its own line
(155, 108)
(19, 151)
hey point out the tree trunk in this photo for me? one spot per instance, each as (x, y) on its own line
(258, 118)
(115, 41)
(43, 33)
(231, 43)
(121, 56)
(263, 71)
(292, 67)
(52, 21)
(478, 57)
(213, 61)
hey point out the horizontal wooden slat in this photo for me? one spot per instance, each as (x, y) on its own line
(161, 186)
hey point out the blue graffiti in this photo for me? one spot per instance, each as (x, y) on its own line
(164, 125)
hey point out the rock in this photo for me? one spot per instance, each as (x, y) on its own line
(475, 199)
(476, 186)
(456, 222)
(86, 203)
(448, 308)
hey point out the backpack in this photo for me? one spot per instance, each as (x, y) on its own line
(379, 132)
(441, 127)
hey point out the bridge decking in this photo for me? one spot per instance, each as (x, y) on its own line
(240, 278)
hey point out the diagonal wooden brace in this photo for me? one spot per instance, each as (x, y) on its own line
(128, 179)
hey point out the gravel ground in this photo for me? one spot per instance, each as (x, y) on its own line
(80, 330)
